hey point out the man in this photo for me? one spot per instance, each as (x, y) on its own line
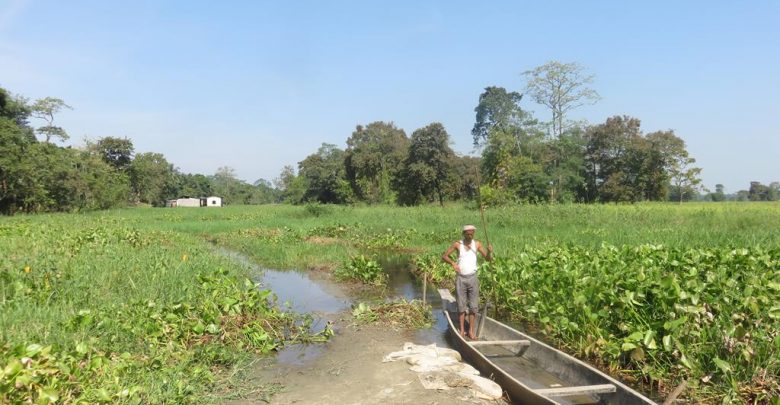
(466, 282)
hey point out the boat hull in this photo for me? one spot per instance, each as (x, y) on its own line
(509, 366)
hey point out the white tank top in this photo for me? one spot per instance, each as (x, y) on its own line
(467, 258)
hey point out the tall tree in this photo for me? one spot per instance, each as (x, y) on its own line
(325, 177)
(561, 87)
(773, 191)
(719, 194)
(497, 110)
(117, 152)
(265, 193)
(18, 168)
(227, 185)
(152, 178)
(426, 167)
(685, 177)
(15, 108)
(373, 157)
(292, 187)
(757, 191)
(464, 179)
(563, 161)
(192, 185)
(45, 109)
(611, 147)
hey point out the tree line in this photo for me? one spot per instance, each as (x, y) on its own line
(521, 159)
(36, 175)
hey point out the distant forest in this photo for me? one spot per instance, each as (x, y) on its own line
(522, 160)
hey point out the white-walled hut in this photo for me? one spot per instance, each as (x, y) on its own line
(213, 201)
(189, 202)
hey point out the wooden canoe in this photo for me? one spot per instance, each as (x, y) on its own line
(531, 372)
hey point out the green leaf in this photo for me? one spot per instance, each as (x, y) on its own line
(13, 367)
(649, 340)
(32, 350)
(82, 348)
(685, 362)
(636, 336)
(723, 365)
(47, 395)
(627, 346)
(103, 395)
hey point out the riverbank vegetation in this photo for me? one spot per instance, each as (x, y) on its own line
(118, 304)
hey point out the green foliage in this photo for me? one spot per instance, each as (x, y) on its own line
(703, 314)
(117, 152)
(497, 111)
(426, 167)
(152, 178)
(317, 210)
(45, 109)
(363, 269)
(432, 267)
(71, 277)
(373, 157)
(325, 176)
(93, 309)
(560, 87)
(495, 197)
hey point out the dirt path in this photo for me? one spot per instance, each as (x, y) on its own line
(351, 371)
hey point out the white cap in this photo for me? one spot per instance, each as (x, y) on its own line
(469, 228)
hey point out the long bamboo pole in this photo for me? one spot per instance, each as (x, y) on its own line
(482, 317)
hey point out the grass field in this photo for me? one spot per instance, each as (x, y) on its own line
(115, 305)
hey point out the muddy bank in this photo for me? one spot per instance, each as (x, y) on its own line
(350, 371)
(349, 368)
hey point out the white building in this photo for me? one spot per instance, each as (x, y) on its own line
(214, 201)
(188, 202)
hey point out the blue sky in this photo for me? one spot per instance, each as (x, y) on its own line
(257, 85)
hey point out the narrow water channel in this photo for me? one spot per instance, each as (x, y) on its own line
(300, 293)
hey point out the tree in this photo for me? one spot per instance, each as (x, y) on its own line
(117, 152)
(773, 192)
(563, 161)
(325, 177)
(607, 151)
(497, 110)
(226, 184)
(463, 180)
(373, 157)
(16, 109)
(192, 185)
(19, 159)
(152, 178)
(685, 178)
(426, 167)
(719, 194)
(292, 186)
(45, 109)
(758, 191)
(265, 193)
(561, 87)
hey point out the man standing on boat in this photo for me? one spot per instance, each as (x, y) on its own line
(466, 282)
